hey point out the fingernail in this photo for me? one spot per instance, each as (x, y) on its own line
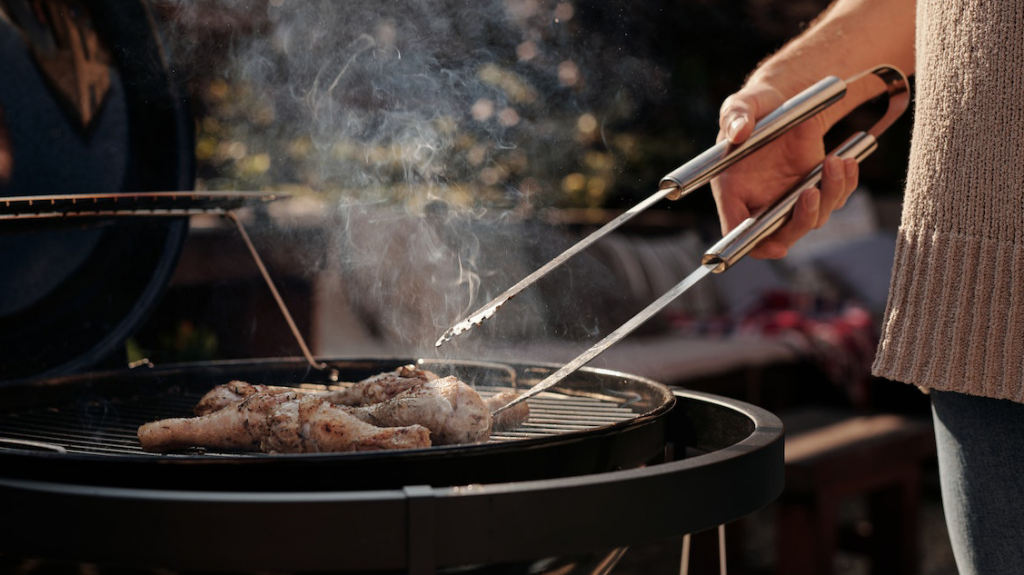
(732, 129)
(812, 199)
(836, 168)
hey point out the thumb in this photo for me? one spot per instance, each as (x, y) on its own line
(740, 111)
(736, 118)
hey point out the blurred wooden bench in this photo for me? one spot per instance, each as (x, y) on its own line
(833, 455)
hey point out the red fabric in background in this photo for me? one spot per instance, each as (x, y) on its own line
(839, 337)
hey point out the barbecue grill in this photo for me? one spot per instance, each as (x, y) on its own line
(607, 459)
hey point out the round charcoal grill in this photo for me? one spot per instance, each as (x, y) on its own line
(608, 460)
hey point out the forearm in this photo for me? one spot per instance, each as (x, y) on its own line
(850, 37)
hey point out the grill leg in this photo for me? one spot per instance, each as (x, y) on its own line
(605, 566)
(684, 563)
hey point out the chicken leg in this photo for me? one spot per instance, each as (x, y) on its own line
(279, 422)
(453, 411)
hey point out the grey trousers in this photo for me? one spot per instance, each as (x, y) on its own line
(981, 468)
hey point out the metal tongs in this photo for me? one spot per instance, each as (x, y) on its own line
(699, 171)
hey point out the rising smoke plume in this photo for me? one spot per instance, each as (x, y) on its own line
(435, 128)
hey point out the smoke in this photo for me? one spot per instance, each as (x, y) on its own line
(436, 130)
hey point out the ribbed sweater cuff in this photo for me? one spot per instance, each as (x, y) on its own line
(961, 281)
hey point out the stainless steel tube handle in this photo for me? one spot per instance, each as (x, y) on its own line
(738, 243)
(701, 169)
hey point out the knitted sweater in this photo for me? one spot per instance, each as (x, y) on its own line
(955, 317)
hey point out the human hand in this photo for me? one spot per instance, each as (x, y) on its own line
(760, 179)
(5, 151)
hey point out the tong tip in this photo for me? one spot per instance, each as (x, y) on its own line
(447, 336)
(469, 323)
(515, 401)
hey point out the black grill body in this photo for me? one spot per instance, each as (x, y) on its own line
(717, 460)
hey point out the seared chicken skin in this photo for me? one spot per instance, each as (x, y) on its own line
(371, 390)
(231, 393)
(312, 425)
(381, 387)
(279, 422)
(453, 411)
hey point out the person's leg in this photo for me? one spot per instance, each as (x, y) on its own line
(981, 468)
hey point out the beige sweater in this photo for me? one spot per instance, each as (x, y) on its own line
(955, 318)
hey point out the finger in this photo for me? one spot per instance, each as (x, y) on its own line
(834, 188)
(801, 221)
(731, 210)
(736, 119)
(852, 169)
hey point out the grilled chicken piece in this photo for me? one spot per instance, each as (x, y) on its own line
(312, 425)
(374, 389)
(381, 387)
(231, 393)
(512, 417)
(453, 411)
(279, 422)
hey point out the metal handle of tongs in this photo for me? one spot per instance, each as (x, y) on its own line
(742, 239)
(713, 161)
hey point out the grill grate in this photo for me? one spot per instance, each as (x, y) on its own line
(108, 426)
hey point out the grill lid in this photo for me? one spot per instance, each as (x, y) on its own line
(72, 292)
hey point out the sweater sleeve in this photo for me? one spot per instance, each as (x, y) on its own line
(955, 316)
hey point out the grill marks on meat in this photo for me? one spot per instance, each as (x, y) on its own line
(279, 422)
